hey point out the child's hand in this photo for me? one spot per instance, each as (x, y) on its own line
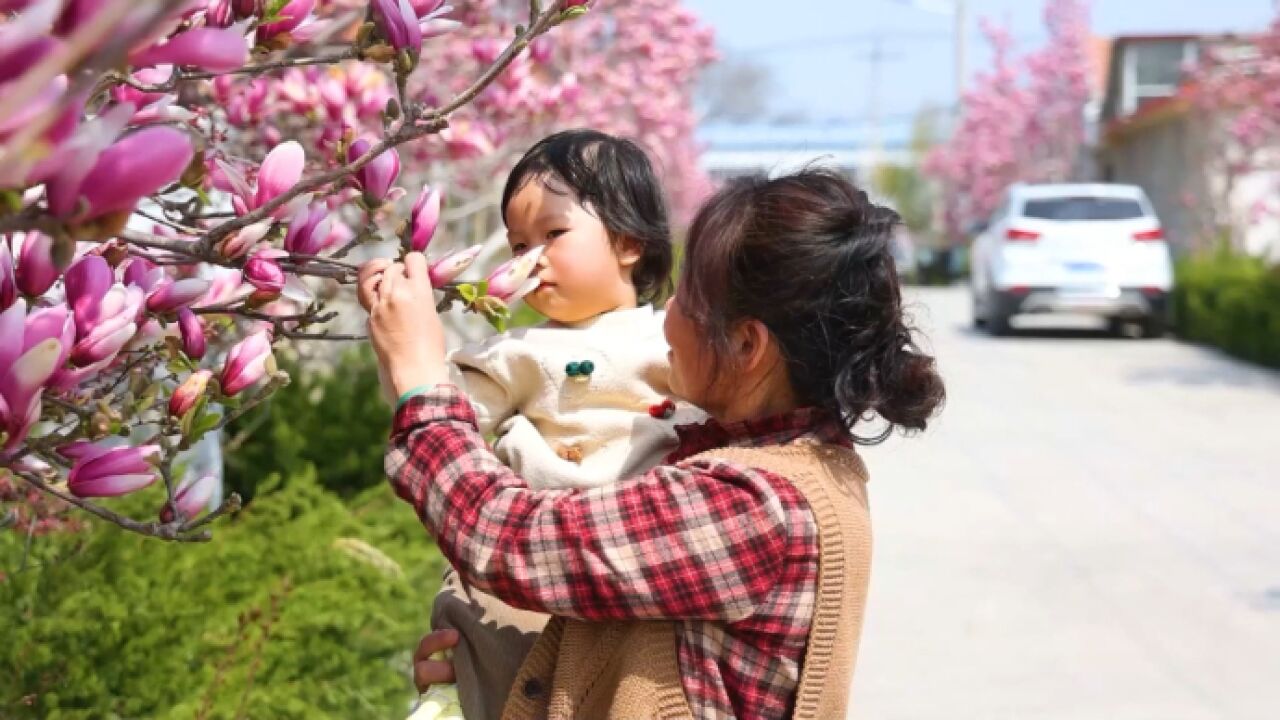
(428, 670)
(405, 328)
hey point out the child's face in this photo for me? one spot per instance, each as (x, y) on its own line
(582, 274)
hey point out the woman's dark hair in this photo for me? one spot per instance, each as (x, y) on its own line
(808, 255)
(614, 180)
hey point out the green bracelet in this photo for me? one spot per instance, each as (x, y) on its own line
(410, 393)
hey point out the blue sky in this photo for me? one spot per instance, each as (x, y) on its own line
(828, 80)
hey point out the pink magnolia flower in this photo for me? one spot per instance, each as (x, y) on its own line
(106, 313)
(209, 48)
(244, 240)
(247, 8)
(432, 27)
(32, 348)
(398, 23)
(128, 171)
(147, 76)
(264, 273)
(281, 170)
(423, 219)
(426, 7)
(25, 39)
(162, 110)
(511, 276)
(448, 268)
(290, 17)
(99, 471)
(191, 497)
(247, 362)
(186, 395)
(219, 13)
(486, 50)
(114, 323)
(465, 141)
(171, 295)
(377, 177)
(8, 284)
(228, 286)
(191, 327)
(309, 231)
(36, 271)
(87, 281)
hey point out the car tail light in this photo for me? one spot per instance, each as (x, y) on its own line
(1149, 235)
(1019, 290)
(1023, 235)
(1152, 291)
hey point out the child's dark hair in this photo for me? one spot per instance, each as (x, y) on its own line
(615, 181)
(808, 255)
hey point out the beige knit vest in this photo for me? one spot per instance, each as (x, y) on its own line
(629, 670)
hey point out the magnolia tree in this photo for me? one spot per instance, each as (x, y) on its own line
(1021, 121)
(1235, 89)
(183, 181)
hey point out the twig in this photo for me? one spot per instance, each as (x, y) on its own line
(436, 121)
(326, 335)
(178, 76)
(164, 531)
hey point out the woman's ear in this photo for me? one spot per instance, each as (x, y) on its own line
(753, 345)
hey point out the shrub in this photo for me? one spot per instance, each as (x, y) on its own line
(1231, 301)
(336, 422)
(301, 607)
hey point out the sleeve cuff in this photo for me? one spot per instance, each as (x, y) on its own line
(442, 403)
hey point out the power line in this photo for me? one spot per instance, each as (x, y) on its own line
(827, 41)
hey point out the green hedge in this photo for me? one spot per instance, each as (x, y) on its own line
(301, 607)
(335, 421)
(1230, 301)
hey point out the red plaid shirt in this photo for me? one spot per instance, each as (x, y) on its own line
(728, 552)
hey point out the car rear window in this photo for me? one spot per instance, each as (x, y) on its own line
(1082, 208)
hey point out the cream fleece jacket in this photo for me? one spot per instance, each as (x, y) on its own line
(559, 431)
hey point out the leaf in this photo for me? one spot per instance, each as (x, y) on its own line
(469, 292)
(188, 423)
(207, 422)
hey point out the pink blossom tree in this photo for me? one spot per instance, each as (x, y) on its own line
(1235, 100)
(182, 182)
(1021, 121)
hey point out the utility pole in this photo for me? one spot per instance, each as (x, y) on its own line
(875, 60)
(959, 12)
(960, 20)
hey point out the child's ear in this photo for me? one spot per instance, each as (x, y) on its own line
(629, 251)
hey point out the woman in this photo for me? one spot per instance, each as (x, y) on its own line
(731, 581)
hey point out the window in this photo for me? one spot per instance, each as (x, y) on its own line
(1083, 208)
(1159, 64)
(1153, 70)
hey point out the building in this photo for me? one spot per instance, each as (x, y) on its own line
(732, 150)
(1151, 133)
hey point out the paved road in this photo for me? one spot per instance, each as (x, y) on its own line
(1091, 530)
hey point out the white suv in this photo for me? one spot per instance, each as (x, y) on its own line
(1081, 249)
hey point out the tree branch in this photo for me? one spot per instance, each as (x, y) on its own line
(436, 121)
(165, 531)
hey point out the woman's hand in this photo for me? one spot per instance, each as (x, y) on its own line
(404, 326)
(368, 279)
(428, 671)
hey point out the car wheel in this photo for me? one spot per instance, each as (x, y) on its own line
(978, 320)
(1117, 326)
(997, 323)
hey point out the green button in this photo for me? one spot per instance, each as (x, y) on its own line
(573, 369)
